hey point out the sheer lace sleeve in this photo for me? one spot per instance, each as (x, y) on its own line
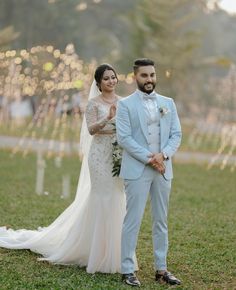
(91, 114)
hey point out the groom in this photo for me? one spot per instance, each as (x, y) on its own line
(149, 131)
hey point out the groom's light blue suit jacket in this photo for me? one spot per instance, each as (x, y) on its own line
(132, 134)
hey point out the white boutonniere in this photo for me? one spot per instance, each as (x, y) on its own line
(163, 111)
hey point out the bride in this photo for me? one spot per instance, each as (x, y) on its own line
(88, 232)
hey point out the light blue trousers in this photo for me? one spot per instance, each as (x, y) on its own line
(137, 194)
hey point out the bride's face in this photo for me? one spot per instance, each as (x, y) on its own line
(108, 81)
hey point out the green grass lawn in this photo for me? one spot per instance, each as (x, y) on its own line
(202, 234)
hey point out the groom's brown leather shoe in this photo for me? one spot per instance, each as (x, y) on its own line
(131, 279)
(168, 278)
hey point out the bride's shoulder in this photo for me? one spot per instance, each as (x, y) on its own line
(119, 97)
(96, 99)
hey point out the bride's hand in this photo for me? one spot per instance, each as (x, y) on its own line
(112, 112)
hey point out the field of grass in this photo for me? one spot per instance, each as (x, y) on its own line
(201, 229)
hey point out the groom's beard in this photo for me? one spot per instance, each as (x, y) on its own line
(147, 87)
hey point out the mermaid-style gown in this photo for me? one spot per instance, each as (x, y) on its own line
(88, 232)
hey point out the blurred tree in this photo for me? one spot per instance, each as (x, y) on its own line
(7, 35)
(181, 35)
(93, 27)
(162, 33)
(40, 22)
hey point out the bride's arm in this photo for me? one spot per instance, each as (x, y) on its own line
(91, 114)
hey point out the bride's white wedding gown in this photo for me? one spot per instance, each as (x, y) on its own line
(88, 232)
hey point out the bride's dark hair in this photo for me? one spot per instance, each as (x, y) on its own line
(100, 71)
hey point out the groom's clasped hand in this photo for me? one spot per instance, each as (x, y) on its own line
(157, 162)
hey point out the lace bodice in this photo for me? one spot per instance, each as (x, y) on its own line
(96, 114)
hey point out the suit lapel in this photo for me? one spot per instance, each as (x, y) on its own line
(142, 116)
(161, 104)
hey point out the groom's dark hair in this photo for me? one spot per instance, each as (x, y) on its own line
(142, 62)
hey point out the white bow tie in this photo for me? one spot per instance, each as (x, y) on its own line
(151, 96)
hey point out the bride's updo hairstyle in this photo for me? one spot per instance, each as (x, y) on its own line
(100, 71)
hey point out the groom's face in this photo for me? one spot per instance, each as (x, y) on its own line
(145, 77)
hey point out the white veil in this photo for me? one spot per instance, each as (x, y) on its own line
(53, 241)
(84, 185)
(85, 137)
